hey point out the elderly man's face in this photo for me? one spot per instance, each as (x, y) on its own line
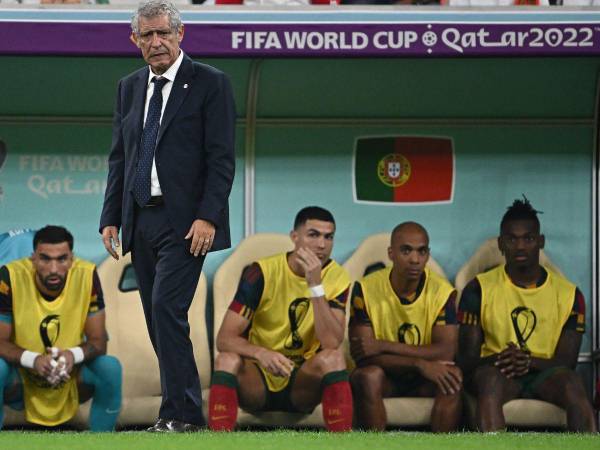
(158, 42)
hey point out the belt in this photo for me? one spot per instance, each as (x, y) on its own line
(155, 200)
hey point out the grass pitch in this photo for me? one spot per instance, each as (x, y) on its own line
(294, 440)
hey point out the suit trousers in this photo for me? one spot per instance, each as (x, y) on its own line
(167, 275)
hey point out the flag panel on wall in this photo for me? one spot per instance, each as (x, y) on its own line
(404, 169)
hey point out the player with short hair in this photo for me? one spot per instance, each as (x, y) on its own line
(403, 335)
(53, 336)
(520, 329)
(280, 339)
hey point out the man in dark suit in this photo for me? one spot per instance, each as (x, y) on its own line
(171, 169)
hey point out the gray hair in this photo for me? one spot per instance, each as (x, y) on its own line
(156, 8)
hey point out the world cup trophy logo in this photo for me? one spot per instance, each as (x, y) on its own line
(524, 322)
(408, 333)
(49, 332)
(296, 313)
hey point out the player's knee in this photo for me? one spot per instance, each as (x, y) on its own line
(228, 362)
(449, 398)
(367, 380)
(329, 360)
(109, 371)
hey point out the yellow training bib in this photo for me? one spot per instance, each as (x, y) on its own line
(393, 321)
(38, 323)
(284, 321)
(531, 318)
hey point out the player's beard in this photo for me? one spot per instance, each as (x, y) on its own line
(54, 286)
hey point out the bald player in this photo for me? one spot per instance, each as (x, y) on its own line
(403, 335)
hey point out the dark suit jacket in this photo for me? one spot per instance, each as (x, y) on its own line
(194, 153)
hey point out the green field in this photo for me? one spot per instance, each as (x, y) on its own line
(295, 440)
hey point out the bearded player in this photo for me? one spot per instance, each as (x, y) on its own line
(280, 339)
(53, 337)
(521, 326)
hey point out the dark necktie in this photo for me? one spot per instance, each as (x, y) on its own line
(141, 185)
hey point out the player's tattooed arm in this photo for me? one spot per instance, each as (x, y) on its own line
(90, 351)
(96, 336)
(93, 346)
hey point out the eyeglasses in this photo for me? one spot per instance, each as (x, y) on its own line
(148, 36)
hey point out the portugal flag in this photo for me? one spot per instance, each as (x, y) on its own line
(403, 169)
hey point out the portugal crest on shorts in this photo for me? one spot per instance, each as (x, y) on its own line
(393, 170)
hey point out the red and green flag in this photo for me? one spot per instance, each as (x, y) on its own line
(404, 169)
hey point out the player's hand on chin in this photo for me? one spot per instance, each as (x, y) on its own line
(311, 264)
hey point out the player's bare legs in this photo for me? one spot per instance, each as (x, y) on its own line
(493, 390)
(370, 386)
(566, 390)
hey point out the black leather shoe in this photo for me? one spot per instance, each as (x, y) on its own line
(159, 427)
(191, 428)
(173, 426)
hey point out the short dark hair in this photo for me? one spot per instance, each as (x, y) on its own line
(312, 213)
(521, 210)
(52, 234)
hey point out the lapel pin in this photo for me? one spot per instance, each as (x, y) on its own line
(185, 86)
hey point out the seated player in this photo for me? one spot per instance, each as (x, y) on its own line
(53, 338)
(280, 339)
(403, 335)
(520, 329)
